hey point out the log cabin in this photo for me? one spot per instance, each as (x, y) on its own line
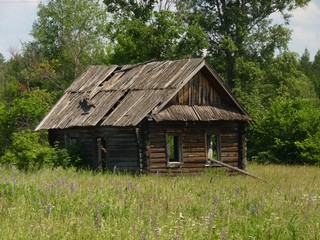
(157, 117)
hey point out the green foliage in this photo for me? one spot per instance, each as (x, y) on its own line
(241, 29)
(259, 84)
(70, 32)
(288, 133)
(28, 151)
(131, 9)
(31, 151)
(166, 35)
(311, 68)
(26, 111)
(20, 111)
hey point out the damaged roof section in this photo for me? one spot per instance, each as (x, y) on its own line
(124, 95)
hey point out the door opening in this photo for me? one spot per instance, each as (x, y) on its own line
(101, 153)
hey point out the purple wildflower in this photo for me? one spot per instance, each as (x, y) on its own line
(48, 210)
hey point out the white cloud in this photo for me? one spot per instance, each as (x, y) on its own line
(16, 21)
(307, 15)
(306, 31)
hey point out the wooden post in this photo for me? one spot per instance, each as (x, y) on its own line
(237, 169)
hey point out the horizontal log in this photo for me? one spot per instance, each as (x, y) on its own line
(194, 149)
(229, 159)
(158, 155)
(192, 145)
(157, 150)
(157, 145)
(229, 154)
(235, 134)
(229, 149)
(229, 144)
(158, 160)
(176, 170)
(193, 155)
(194, 160)
(122, 159)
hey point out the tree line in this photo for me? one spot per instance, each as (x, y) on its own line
(279, 88)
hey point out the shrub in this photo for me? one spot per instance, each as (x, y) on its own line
(289, 133)
(31, 151)
(28, 151)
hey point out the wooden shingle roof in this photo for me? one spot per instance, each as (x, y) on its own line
(123, 96)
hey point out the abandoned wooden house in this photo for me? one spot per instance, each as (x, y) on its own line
(169, 116)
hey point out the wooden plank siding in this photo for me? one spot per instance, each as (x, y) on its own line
(198, 91)
(194, 146)
(121, 145)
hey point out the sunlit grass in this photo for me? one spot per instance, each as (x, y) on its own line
(65, 204)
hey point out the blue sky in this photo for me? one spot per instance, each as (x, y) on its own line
(17, 16)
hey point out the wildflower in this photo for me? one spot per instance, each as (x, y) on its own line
(223, 235)
(237, 191)
(48, 210)
(158, 232)
(216, 200)
(72, 187)
(129, 186)
(210, 219)
(97, 219)
(251, 209)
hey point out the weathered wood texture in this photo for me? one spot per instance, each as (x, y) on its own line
(123, 96)
(199, 91)
(128, 110)
(194, 147)
(201, 99)
(121, 145)
(144, 148)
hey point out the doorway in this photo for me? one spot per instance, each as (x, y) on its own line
(101, 153)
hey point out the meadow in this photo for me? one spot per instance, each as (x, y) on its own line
(70, 204)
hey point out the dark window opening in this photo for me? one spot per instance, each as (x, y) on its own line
(70, 141)
(174, 146)
(101, 161)
(73, 141)
(213, 147)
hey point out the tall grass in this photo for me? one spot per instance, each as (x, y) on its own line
(65, 204)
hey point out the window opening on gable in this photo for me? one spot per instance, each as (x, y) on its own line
(213, 147)
(174, 148)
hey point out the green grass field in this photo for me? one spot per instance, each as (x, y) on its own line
(65, 204)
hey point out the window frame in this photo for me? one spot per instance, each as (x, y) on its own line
(209, 146)
(178, 158)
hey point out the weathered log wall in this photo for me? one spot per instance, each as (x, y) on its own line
(121, 145)
(194, 146)
(145, 148)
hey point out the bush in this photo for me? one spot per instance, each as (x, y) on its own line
(28, 151)
(289, 133)
(31, 151)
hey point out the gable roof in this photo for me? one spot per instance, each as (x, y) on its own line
(123, 96)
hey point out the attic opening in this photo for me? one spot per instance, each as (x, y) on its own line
(109, 76)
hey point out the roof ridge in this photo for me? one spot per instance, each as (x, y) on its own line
(134, 65)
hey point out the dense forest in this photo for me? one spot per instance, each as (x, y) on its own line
(279, 88)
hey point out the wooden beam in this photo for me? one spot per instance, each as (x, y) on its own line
(237, 169)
